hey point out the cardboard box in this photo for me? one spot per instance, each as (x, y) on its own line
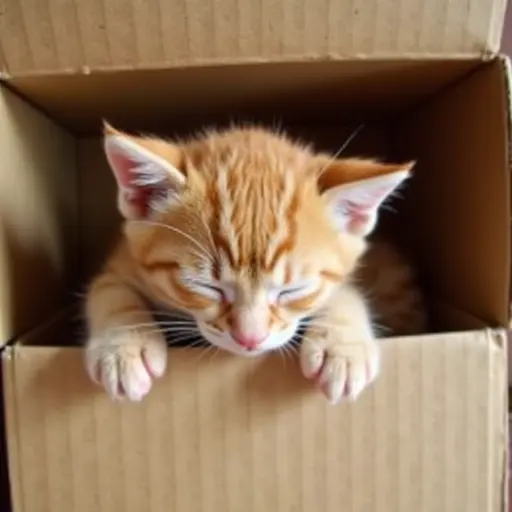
(220, 433)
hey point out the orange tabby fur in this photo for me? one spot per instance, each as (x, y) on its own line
(248, 234)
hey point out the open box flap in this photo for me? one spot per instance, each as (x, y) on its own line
(37, 216)
(77, 36)
(465, 192)
(430, 434)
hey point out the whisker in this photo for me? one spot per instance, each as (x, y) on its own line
(189, 343)
(389, 208)
(213, 353)
(210, 236)
(188, 340)
(163, 313)
(204, 251)
(167, 334)
(280, 351)
(207, 350)
(294, 343)
(155, 328)
(289, 350)
(177, 332)
(192, 341)
(326, 325)
(348, 140)
(150, 324)
(201, 257)
(307, 338)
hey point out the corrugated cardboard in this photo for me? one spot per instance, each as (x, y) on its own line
(223, 434)
(81, 36)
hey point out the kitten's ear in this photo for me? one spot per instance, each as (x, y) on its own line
(147, 172)
(354, 189)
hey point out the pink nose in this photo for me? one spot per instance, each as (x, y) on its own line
(250, 342)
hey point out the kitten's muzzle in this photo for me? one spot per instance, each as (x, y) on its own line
(248, 342)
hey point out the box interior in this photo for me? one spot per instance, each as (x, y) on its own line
(453, 217)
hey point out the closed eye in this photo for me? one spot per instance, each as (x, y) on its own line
(206, 289)
(213, 290)
(289, 292)
(294, 292)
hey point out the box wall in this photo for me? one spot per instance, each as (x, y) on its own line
(435, 393)
(38, 215)
(431, 434)
(179, 99)
(460, 197)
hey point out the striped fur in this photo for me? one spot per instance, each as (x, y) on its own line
(246, 234)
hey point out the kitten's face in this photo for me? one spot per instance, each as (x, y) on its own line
(236, 230)
(247, 278)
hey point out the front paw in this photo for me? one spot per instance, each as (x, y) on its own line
(125, 363)
(341, 368)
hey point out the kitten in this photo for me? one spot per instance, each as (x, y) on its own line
(391, 289)
(249, 234)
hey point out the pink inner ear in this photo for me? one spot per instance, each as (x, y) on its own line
(371, 200)
(123, 169)
(139, 200)
(137, 197)
(359, 209)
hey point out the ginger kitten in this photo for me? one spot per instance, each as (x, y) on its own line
(247, 234)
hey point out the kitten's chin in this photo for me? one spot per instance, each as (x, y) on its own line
(225, 342)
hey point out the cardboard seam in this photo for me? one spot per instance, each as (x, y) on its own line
(13, 441)
(444, 89)
(62, 313)
(424, 103)
(237, 61)
(491, 413)
(4, 70)
(496, 26)
(505, 405)
(7, 83)
(449, 305)
(498, 417)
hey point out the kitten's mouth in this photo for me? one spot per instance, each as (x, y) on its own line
(202, 336)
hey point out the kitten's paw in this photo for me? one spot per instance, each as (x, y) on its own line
(341, 369)
(125, 363)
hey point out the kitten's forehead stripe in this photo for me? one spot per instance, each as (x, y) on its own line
(287, 239)
(222, 243)
(254, 207)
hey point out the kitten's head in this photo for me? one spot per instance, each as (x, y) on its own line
(244, 230)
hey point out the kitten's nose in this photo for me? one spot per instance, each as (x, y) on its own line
(248, 341)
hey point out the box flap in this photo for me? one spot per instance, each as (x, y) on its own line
(220, 433)
(77, 36)
(467, 193)
(38, 241)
